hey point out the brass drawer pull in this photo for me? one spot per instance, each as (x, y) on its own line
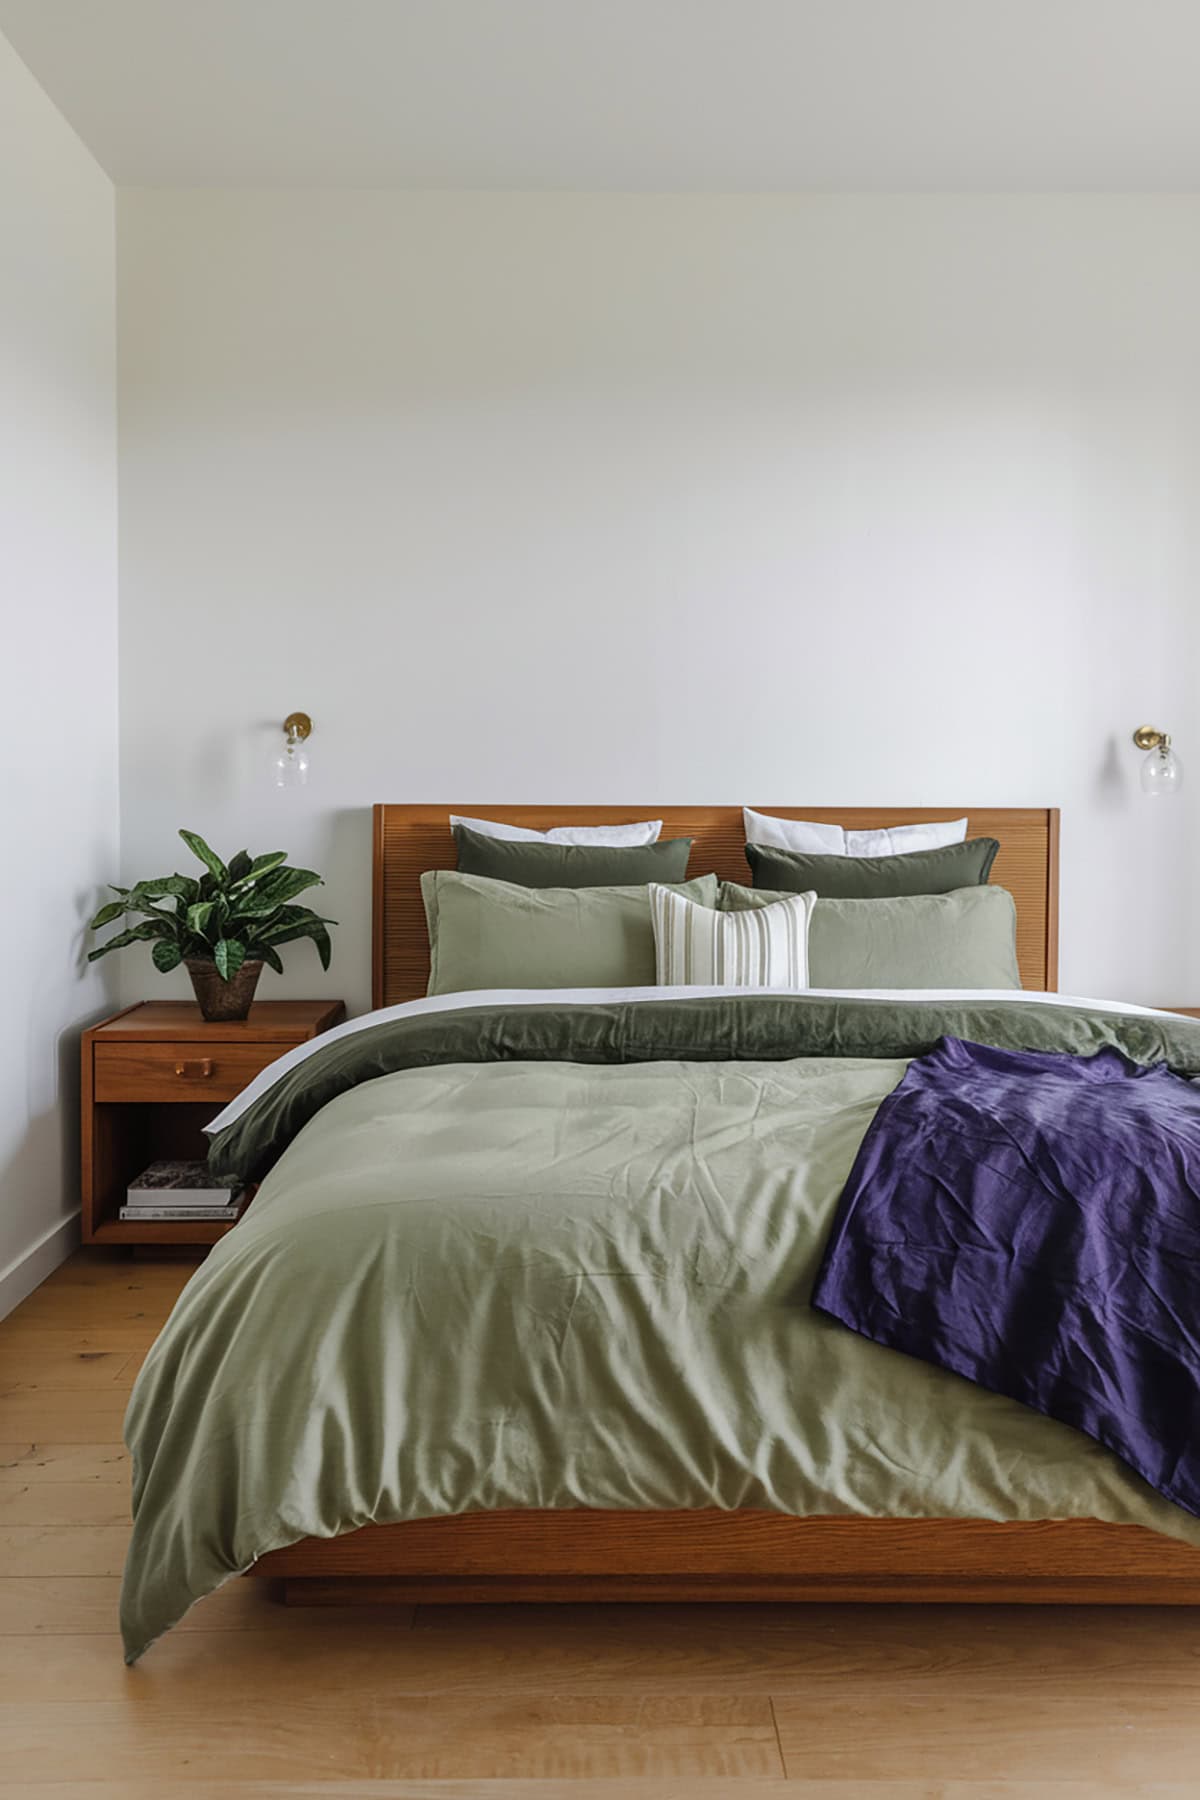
(195, 1071)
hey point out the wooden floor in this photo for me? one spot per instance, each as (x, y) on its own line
(618, 1703)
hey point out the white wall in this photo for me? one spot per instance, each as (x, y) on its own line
(58, 652)
(826, 500)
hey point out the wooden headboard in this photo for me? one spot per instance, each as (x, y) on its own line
(410, 839)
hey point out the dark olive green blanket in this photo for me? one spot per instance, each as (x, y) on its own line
(560, 1256)
(754, 1027)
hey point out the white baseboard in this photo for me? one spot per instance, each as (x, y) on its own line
(31, 1268)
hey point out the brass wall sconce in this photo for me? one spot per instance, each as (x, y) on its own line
(291, 765)
(1162, 772)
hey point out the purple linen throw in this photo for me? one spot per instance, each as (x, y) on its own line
(1031, 1220)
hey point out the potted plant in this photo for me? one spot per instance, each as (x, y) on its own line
(222, 925)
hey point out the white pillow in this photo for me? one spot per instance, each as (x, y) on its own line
(612, 835)
(793, 834)
(697, 946)
(898, 840)
(833, 840)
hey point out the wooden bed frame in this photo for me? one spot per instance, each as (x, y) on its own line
(711, 1555)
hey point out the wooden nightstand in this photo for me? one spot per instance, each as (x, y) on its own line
(1189, 1012)
(153, 1077)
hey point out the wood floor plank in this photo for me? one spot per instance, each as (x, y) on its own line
(74, 1503)
(783, 1647)
(49, 1605)
(691, 1788)
(86, 1309)
(373, 1663)
(367, 1660)
(533, 1738)
(363, 1662)
(84, 1371)
(106, 1269)
(63, 1418)
(75, 1340)
(37, 1462)
(375, 1655)
(28, 1550)
(976, 1731)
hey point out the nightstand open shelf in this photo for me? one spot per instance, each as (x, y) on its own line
(153, 1076)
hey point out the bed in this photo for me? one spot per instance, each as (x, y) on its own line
(619, 1520)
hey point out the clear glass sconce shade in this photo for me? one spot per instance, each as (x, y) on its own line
(1162, 773)
(290, 767)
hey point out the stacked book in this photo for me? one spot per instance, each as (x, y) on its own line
(182, 1191)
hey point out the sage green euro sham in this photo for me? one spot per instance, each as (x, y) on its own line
(967, 939)
(571, 865)
(495, 934)
(873, 877)
(560, 1255)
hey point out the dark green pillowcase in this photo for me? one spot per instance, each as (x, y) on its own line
(570, 865)
(873, 877)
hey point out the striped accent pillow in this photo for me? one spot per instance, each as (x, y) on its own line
(696, 946)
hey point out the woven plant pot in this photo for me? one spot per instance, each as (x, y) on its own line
(221, 999)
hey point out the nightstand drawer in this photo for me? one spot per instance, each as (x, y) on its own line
(178, 1071)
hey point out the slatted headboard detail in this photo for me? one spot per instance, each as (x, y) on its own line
(410, 839)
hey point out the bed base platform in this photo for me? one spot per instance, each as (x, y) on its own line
(572, 1557)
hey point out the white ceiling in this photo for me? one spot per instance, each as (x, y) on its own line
(627, 94)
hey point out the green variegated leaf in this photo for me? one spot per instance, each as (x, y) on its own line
(114, 910)
(239, 865)
(166, 956)
(248, 903)
(208, 857)
(243, 924)
(139, 903)
(264, 953)
(270, 859)
(262, 865)
(313, 928)
(285, 884)
(294, 915)
(200, 916)
(182, 887)
(290, 917)
(229, 955)
(137, 934)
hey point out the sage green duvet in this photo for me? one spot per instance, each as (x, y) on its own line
(560, 1256)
